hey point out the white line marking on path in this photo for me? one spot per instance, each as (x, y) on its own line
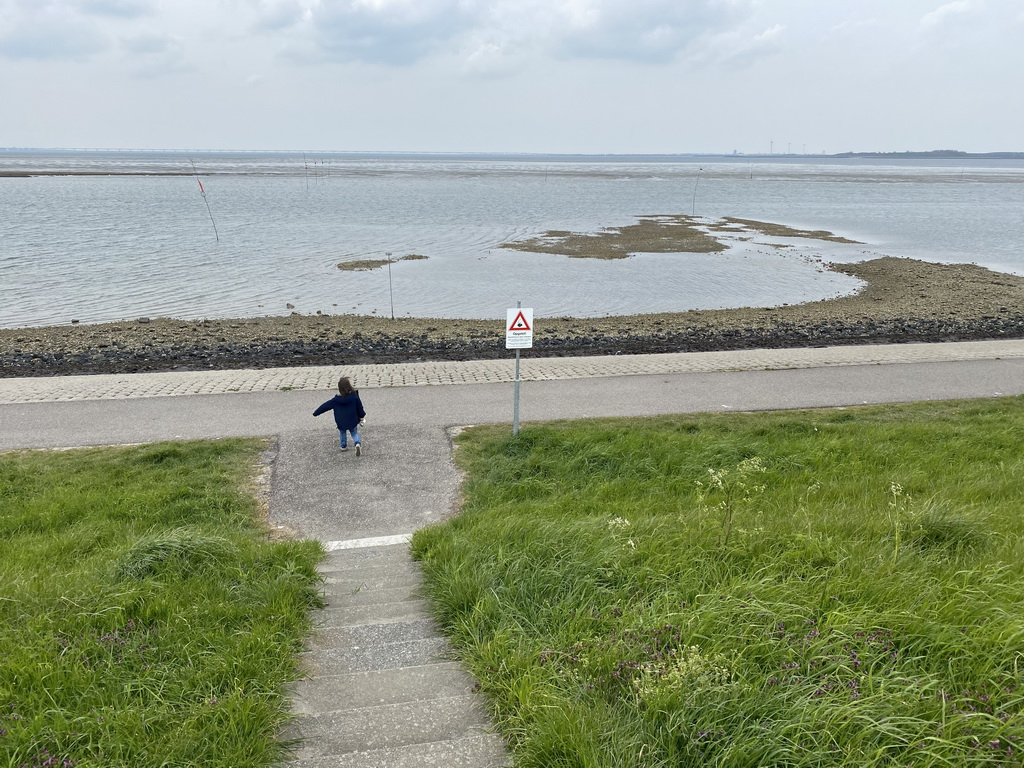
(376, 541)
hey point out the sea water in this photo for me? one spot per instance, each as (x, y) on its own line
(92, 243)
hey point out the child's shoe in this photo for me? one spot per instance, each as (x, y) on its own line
(344, 448)
(359, 449)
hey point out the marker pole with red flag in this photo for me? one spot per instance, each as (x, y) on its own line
(518, 335)
(203, 193)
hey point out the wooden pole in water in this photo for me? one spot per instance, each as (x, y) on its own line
(693, 210)
(203, 193)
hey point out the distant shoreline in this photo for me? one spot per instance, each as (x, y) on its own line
(936, 154)
(939, 154)
(904, 300)
(178, 162)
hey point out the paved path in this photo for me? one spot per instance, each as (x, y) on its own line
(382, 688)
(116, 386)
(383, 692)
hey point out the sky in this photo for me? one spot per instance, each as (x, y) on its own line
(535, 76)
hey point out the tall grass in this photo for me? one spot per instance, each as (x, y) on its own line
(145, 617)
(819, 588)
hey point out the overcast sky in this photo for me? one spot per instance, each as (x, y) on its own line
(577, 76)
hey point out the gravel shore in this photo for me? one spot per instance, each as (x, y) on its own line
(904, 300)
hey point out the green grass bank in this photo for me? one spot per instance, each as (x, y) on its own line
(146, 619)
(807, 588)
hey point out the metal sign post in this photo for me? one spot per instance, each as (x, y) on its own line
(515, 401)
(518, 335)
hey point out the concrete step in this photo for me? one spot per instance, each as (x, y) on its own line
(357, 615)
(356, 690)
(349, 559)
(382, 690)
(376, 578)
(484, 751)
(359, 595)
(370, 567)
(388, 726)
(373, 634)
(364, 557)
(410, 653)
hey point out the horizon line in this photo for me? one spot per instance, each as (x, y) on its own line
(935, 153)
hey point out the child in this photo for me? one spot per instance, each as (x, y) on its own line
(348, 413)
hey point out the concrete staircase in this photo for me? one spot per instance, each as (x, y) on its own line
(380, 691)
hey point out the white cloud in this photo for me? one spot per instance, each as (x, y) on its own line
(277, 15)
(155, 54)
(477, 36)
(401, 32)
(125, 9)
(738, 48)
(63, 29)
(148, 44)
(48, 32)
(458, 64)
(397, 32)
(643, 30)
(852, 27)
(942, 13)
(489, 59)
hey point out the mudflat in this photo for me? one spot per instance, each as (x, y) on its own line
(903, 300)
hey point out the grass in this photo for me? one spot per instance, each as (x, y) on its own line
(145, 617)
(816, 588)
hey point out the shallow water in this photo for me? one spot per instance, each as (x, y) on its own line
(109, 247)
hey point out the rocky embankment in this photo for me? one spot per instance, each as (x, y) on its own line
(903, 300)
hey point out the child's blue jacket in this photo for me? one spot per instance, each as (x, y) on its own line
(348, 410)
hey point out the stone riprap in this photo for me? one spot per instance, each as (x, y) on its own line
(167, 384)
(903, 300)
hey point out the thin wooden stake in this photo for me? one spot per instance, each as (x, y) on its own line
(203, 193)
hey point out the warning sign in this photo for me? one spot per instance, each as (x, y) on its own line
(519, 328)
(519, 322)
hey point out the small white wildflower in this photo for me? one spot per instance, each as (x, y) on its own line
(691, 671)
(716, 478)
(753, 464)
(896, 494)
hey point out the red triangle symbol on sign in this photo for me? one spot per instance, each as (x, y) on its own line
(519, 324)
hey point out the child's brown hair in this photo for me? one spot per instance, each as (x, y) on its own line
(345, 386)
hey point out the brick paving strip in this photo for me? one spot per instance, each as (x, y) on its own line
(115, 386)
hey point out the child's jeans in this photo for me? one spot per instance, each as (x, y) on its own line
(356, 440)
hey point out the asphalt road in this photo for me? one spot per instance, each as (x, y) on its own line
(405, 478)
(101, 422)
